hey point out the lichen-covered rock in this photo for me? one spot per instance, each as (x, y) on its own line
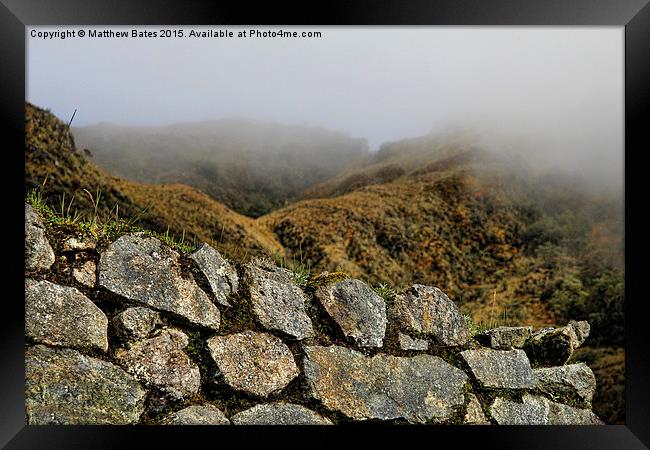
(406, 342)
(474, 414)
(279, 414)
(554, 347)
(38, 252)
(197, 415)
(62, 316)
(221, 275)
(539, 411)
(418, 389)
(427, 310)
(276, 301)
(62, 386)
(79, 244)
(506, 369)
(161, 362)
(136, 323)
(142, 269)
(257, 363)
(574, 381)
(86, 274)
(357, 309)
(505, 338)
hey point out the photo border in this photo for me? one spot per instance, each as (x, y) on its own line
(634, 15)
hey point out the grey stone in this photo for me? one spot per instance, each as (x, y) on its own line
(419, 389)
(427, 310)
(357, 309)
(474, 414)
(160, 362)
(86, 274)
(276, 301)
(554, 347)
(279, 414)
(136, 323)
(38, 252)
(79, 244)
(142, 269)
(574, 381)
(507, 369)
(221, 275)
(62, 316)
(539, 411)
(62, 386)
(581, 330)
(505, 338)
(257, 363)
(197, 415)
(406, 342)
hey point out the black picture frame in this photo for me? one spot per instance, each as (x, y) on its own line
(634, 15)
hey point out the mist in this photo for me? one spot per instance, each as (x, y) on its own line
(554, 93)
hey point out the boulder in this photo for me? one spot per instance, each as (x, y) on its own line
(256, 363)
(62, 316)
(221, 275)
(65, 387)
(357, 309)
(574, 381)
(505, 338)
(554, 347)
(406, 342)
(86, 274)
(38, 252)
(197, 415)
(474, 414)
(504, 369)
(142, 269)
(136, 323)
(539, 411)
(279, 414)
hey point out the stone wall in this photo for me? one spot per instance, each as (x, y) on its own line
(134, 332)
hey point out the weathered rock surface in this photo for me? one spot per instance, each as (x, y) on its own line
(221, 275)
(86, 274)
(554, 347)
(38, 252)
(575, 381)
(197, 415)
(505, 338)
(279, 414)
(539, 411)
(357, 309)
(406, 342)
(62, 316)
(77, 244)
(427, 310)
(136, 323)
(507, 369)
(276, 301)
(161, 362)
(257, 363)
(65, 387)
(142, 269)
(418, 389)
(474, 414)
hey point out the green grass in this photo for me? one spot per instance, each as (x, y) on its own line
(385, 291)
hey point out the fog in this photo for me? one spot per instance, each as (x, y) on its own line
(556, 92)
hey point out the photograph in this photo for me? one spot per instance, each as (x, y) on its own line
(324, 225)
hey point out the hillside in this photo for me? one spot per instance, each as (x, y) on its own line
(251, 166)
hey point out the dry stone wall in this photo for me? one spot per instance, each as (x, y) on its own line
(135, 332)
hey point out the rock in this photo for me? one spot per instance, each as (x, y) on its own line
(427, 310)
(575, 381)
(197, 415)
(539, 411)
(38, 252)
(418, 389)
(357, 309)
(74, 244)
(62, 316)
(256, 363)
(161, 362)
(142, 269)
(406, 342)
(276, 301)
(86, 274)
(222, 277)
(65, 387)
(136, 323)
(279, 414)
(507, 369)
(474, 414)
(554, 347)
(505, 338)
